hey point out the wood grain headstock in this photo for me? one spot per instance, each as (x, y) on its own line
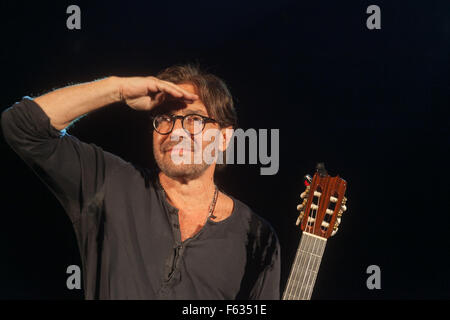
(323, 204)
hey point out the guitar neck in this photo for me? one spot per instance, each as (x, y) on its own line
(305, 267)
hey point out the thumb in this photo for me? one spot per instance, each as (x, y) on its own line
(141, 103)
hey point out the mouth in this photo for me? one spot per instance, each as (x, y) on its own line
(177, 150)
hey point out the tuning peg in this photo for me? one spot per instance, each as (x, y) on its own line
(344, 208)
(334, 231)
(302, 205)
(336, 226)
(337, 223)
(305, 193)
(300, 217)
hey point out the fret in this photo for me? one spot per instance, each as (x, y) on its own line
(305, 268)
(311, 254)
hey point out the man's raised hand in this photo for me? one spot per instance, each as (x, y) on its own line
(144, 93)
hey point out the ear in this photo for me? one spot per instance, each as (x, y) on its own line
(226, 135)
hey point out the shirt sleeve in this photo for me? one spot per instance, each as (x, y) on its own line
(74, 171)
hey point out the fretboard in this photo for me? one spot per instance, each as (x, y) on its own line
(305, 267)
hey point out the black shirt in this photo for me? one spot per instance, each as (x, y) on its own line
(128, 234)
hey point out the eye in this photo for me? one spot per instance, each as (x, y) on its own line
(193, 118)
(163, 118)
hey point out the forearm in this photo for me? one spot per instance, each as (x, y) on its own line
(73, 170)
(64, 105)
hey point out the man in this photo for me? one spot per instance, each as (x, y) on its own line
(172, 237)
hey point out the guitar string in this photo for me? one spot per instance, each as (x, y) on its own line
(309, 271)
(306, 254)
(299, 267)
(310, 252)
(320, 253)
(311, 257)
(301, 264)
(288, 289)
(313, 280)
(296, 267)
(309, 241)
(302, 269)
(312, 275)
(293, 274)
(313, 251)
(290, 280)
(293, 283)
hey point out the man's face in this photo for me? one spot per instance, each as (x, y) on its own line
(168, 149)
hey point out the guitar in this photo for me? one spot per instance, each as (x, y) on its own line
(320, 217)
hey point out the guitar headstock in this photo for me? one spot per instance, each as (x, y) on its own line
(323, 204)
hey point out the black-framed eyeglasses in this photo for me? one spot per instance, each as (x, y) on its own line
(191, 123)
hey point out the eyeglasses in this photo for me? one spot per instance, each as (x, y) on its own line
(191, 123)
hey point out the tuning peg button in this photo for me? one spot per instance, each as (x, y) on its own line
(337, 223)
(302, 205)
(300, 217)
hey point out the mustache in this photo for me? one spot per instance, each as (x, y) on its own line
(185, 144)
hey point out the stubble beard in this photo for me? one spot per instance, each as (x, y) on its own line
(178, 171)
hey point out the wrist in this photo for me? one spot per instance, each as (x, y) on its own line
(115, 84)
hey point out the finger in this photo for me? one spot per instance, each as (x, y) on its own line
(158, 97)
(154, 85)
(170, 89)
(182, 98)
(188, 95)
(141, 103)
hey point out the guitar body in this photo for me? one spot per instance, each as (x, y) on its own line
(320, 216)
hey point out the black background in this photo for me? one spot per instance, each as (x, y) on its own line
(372, 104)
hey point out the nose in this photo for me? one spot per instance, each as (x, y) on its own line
(178, 133)
(178, 124)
